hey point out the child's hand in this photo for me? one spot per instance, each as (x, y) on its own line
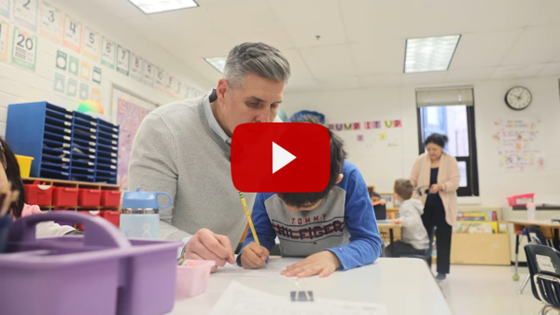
(322, 264)
(254, 256)
(397, 221)
(382, 201)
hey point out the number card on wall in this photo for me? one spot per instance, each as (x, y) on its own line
(108, 52)
(170, 86)
(51, 22)
(4, 39)
(24, 52)
(25, 13)
(179, 89)
(123, 60)
(72, 33)
(5, 8)
(91, 43)
(136, 65)
(148, 73)
(160, 77)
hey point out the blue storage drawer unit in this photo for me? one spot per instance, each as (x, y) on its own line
(64, 144)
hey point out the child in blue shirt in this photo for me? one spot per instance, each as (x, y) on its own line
(334, 228)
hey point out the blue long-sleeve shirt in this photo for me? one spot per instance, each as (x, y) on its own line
(344, 223)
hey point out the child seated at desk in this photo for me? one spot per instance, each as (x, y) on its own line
(334, 228)
(414, 236)
(378, 206)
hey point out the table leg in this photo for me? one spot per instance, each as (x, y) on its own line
(391, 239)
(556, 242)
(515, 274)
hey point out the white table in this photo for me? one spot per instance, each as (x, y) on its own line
(404, 285)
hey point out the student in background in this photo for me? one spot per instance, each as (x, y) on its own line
(414, 239)
(376, 199)
(435, 176)
(334, 228)
(10, 173)
(378, 206)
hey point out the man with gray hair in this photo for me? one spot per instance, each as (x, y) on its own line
(184, 149)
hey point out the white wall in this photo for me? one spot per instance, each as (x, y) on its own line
(20, 85)
(390, 103)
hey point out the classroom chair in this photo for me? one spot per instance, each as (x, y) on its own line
(534, 236)
(427, 256)
(542, 262)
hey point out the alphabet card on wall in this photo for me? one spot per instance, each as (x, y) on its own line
(25, 13)
(24, 52)
(51, 22)
(72, 33)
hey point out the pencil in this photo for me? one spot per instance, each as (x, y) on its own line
(249, 218)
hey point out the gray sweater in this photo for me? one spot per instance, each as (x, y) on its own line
(413, 231)
(176, 151)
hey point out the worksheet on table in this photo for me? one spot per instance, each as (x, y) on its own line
(273, 268)
(242, 300)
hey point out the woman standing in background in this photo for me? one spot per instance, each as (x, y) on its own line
(436, 177)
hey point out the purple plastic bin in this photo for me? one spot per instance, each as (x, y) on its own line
(101, 272)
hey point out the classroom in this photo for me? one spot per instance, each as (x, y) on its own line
(413, 170)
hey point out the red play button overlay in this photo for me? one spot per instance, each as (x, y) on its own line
(280, 157)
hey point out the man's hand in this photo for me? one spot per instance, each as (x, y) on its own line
(205, 245)
(254, 256)
(322, 264)
(397, 221)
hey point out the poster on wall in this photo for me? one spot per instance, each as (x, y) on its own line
(128, 111)
(518, 144)
(51, 22)
(5, 8)
(123, 60)
(4, 39)
(74, 65)
(148, 76)
(72, 37)
(91, 43)
(136, 66)
(26, 12)
(72, 87)
(108, 52)
(24, 52)
(59, 82)
(95, 94)
(179, 89)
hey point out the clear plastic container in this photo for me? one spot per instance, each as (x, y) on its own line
(192, 278)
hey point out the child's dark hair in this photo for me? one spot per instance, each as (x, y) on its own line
(404, 188)
(338, 155)
(10, 164)
(374, 194)
(436, 138)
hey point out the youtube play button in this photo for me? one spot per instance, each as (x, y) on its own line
(280, 157)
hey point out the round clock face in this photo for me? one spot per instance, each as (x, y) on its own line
(518, 98)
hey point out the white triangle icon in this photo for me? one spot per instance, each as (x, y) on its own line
(280, 157)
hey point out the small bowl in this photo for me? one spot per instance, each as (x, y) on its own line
(192, 278)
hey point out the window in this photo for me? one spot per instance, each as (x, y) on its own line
(450, 112)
